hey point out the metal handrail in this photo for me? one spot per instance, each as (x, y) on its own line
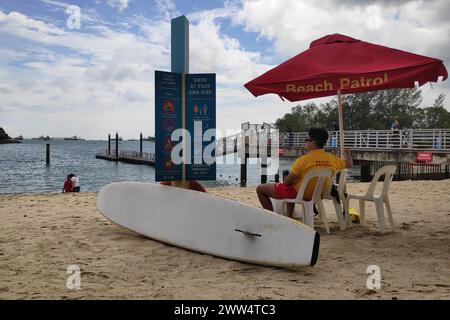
(410, 139)
(437, 140)
(128, 154)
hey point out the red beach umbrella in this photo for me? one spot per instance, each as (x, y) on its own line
(338, 64)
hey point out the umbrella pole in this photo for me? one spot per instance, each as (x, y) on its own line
(341, 123)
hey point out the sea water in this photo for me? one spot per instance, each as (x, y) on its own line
(23, 167)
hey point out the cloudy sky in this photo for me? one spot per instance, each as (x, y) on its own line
(61, 78)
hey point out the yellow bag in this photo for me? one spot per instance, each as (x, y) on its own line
(354, 215)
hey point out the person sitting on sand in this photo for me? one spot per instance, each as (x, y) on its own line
(67, 184)
(315, 157)
(75, 183)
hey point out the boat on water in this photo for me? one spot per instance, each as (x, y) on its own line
(46, 138)
(73, 138)
(149, 138)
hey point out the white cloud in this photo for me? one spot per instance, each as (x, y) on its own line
(212, 51)
(292, 24)
(13, 19)
(102, 76)
(120, 4)
(109, 74)
(166, 9)
(103, 80)
(421, 27)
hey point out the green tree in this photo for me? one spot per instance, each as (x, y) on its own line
(436, 116)
(371, 110)
(400, 104)
(302, 118)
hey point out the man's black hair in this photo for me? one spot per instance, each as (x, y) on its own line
(319, 135)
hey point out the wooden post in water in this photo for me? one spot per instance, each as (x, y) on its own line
(140, 146)
(117, 146)
(244, 161)
(47, 154)
(109, 144)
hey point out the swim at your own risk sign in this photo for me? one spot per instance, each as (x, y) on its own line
(185, 126)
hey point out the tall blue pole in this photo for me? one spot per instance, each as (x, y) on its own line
(180, 64)
(180, 45)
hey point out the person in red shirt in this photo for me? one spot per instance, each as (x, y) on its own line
(67, 185)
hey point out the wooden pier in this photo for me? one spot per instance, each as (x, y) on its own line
(371, 149)
(133, 157)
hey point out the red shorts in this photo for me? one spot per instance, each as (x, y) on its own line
(283, 191)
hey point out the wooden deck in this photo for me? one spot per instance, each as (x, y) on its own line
(133, 157)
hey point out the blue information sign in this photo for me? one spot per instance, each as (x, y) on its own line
(201, 124)
(168, 117)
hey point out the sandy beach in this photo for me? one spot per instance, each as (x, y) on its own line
(41, 235)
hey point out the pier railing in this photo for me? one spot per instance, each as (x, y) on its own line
(127, 156)
(228, 145)
(411, 171)
(411, 139)
(437, 140)
(137, 155)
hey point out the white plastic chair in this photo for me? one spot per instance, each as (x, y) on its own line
(378, 199)
(280, 206)
(338, 207)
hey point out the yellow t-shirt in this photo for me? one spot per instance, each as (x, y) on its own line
(313, 159)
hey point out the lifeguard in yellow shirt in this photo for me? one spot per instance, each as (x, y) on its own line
(315, 157)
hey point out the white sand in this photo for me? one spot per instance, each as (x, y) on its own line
(41, 235)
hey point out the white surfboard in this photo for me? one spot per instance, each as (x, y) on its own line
(205, 223)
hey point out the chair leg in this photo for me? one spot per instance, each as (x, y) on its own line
(389, 211)
(308, 213)
(340, 217)
(298, 217)
(275, 205)
(295, 213)
(323, 215)
(362, 211)
(380, 214)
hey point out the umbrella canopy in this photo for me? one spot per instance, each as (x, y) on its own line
(337, 64)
